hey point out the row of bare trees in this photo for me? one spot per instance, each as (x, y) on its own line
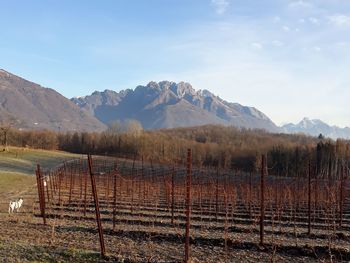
(224, 147)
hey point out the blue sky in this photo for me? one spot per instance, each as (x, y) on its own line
(288, 58)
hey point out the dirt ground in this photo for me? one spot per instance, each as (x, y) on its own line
(24, 238)
(147, 235)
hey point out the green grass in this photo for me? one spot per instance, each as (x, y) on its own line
(24, 161)
(17, 166)
(10, 181)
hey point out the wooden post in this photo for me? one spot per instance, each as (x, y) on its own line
(309, 200)
(217, 194)
(132, 186)
(115, 194)
(85, 192)
(341, 199)
(71, 185)
(97, 208)
(41, 193)
(262, 198)
(59, 189)
(51, 185)
(172, 196)
(81, 174)
(330, 169)
(250, 195)
(188, 205)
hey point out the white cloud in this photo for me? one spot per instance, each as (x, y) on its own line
(342, 44)
(314, 21)
(257, 45)
(317, 49)
(277, 79)
(220, 6)
(276, 19)
(286, 28)
(299, 4)
(277, 43)
(339, 20)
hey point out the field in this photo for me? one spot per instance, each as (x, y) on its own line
(17, 170)
(143, 214)
(17, 179)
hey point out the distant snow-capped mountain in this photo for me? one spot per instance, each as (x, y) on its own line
(316, 127)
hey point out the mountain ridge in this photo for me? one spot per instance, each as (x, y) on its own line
(315, 127)
(172, 105)
(165, 104)
(27, 105)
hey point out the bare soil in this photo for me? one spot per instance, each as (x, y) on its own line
(24, 238)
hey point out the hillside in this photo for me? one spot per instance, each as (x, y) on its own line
(17, 170)
(168, 105)
(23, 161)
(27, 105)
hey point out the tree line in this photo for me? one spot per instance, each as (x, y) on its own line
(219, 146)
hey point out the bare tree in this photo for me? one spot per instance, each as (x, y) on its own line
(133, 127)
(4, 129)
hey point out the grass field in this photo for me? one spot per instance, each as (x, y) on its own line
(17, 167)
(17, 179)
(24, 161)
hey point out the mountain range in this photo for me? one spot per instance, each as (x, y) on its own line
(165, 104)
(316, 127)
(168, 105)
(26, 105)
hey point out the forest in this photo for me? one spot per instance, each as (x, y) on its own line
(216, 146)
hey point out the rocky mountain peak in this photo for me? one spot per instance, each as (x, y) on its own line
(310, 123)
(167, 104)
(206, 93)
(315, 127)
(182, 89)
(305, 123)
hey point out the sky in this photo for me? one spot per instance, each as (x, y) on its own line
(288, 58)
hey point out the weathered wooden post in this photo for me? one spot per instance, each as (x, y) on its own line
(188, 205)
(41, 193)
(70, 185)
(59, 190)
(262, 198)
(172, 196)
(341, 197)
(115, 194)
(309, 200)
(250, 195)
(81, 179)
(97, 207)
(132, 186)
(51, 185)
(85, 191)
(46, 185)
(217, 194)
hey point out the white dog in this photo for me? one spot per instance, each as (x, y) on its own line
(15, 206)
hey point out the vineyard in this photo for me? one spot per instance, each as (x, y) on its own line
(198, 214)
